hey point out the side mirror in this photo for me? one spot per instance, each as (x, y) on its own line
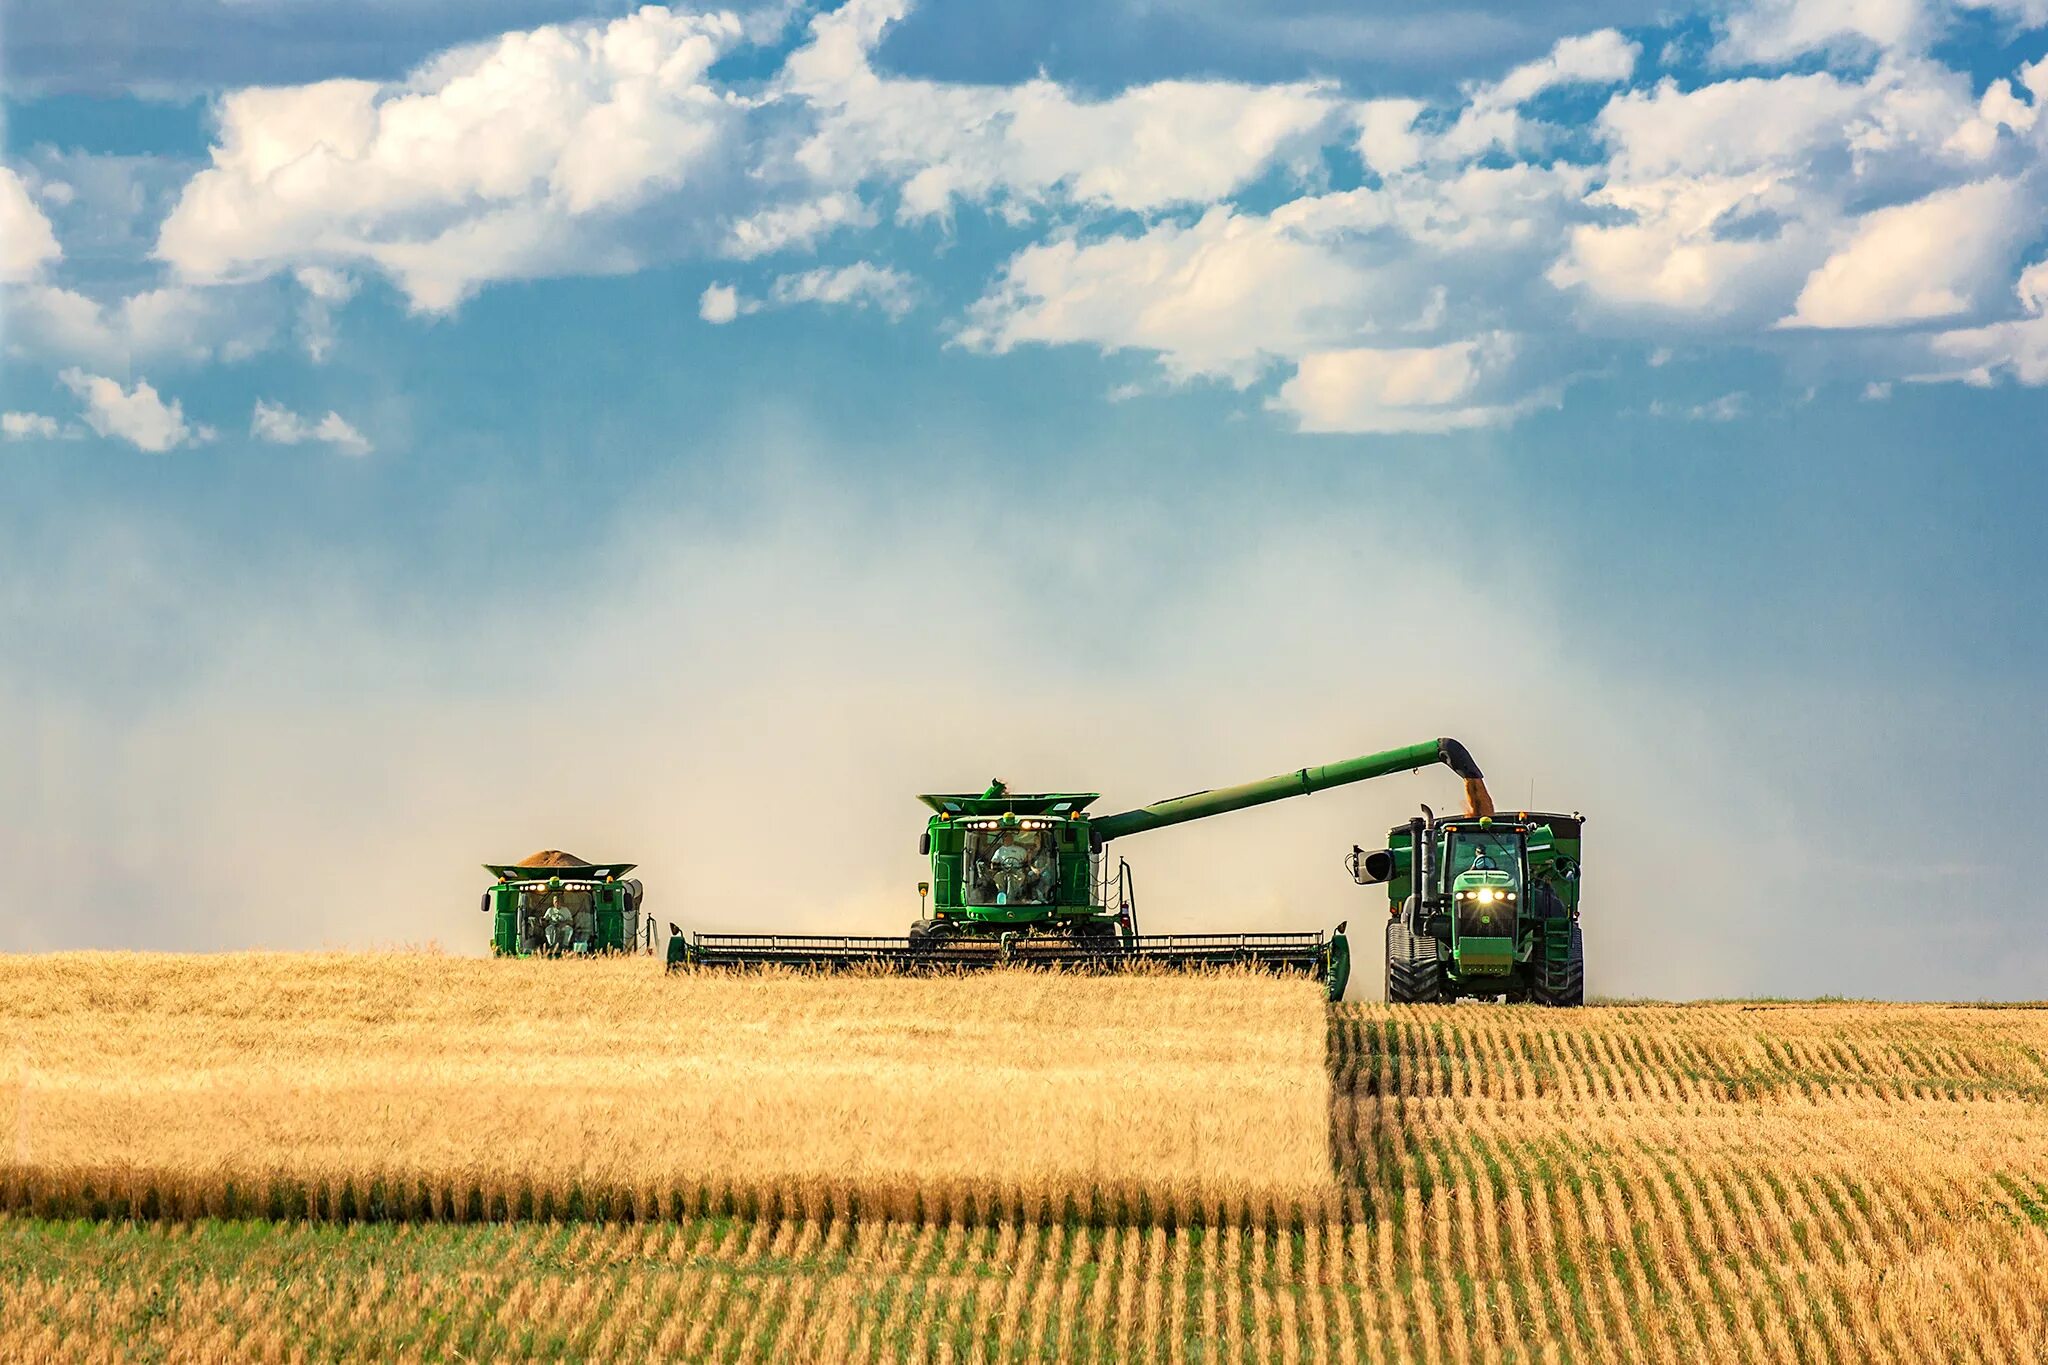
(486, 906)
(924, 844)
(1370, 869)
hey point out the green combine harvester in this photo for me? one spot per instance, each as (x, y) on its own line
(1024, 879)
(1481, 907)
(553, 904)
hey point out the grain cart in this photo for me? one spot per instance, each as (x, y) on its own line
(553, 904)
(1481, 906)
(1024, 878)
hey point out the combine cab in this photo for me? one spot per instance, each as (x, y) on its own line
(554, 904)
(1482, 907)
(1025, 879)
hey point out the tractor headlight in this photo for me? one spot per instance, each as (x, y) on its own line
(1485, 895)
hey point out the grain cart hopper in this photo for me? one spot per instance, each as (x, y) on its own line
(553, 904)
(1481, 906)
(1023, 878)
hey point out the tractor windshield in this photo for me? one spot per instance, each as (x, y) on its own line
(1483, 850)
(1010, 867)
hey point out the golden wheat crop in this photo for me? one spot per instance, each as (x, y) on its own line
(426, 1086)
(1787, 1184)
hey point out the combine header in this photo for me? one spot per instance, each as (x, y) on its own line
(1023, 879)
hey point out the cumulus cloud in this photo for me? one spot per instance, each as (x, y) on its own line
(2018, 347)
(1403, 389)
(138, 415)
(860, 285)
(174, 323)
(27, 242)
(1217, 298)
(488, 163)
(279, 425)
(23, 426)
(1190, 220)
(1769, 32)
(1167, 143)
(796, 227)
(720, 304)
(1926, 259)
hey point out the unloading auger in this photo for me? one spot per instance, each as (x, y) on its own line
(1024, 879)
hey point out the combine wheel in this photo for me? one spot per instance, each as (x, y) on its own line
(1415, 967)
(931, 933)
(1563, 983)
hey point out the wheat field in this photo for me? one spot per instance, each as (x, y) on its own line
(417, 1085)
(1766, 1183)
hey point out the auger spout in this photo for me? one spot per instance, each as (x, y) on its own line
(1302, 782)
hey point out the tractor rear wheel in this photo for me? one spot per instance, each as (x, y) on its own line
(1415, 966)
(1562, 984)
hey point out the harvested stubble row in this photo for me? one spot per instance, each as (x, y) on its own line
(417, 1086)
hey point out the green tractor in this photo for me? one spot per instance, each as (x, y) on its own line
(553, 904)
(1024, 878)
(1481, 907)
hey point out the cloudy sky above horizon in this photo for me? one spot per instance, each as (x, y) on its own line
(432, 428)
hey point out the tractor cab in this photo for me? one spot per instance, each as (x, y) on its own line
(1482, 906)
(554, 904)
(1484, 866)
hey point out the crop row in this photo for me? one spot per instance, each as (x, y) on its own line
(1422, 1284)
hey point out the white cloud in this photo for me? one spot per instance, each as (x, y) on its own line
(326, 289)
(279, 425)
(1390, 138)
(1769, 32)
(796, 227)
(719, 304)
(1217, 298)
(22, 426)
(325, 283)
(27, 242)
(1172, 142)
(2019, 346)
(1726, 408)
(1723, 200)
(483, 165)
(860, 285)
(137, 416)
(1404, 389)
(1927, 259)
(175, 323)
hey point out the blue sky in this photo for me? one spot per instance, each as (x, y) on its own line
(434, 432)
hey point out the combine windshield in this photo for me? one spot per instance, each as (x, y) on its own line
(1010, 867)
(555, 921)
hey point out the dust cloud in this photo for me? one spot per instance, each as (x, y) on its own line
(747, 707)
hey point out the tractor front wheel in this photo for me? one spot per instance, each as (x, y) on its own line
(1415, 966)
(1562, 984)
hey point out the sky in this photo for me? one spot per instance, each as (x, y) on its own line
(434, 432)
